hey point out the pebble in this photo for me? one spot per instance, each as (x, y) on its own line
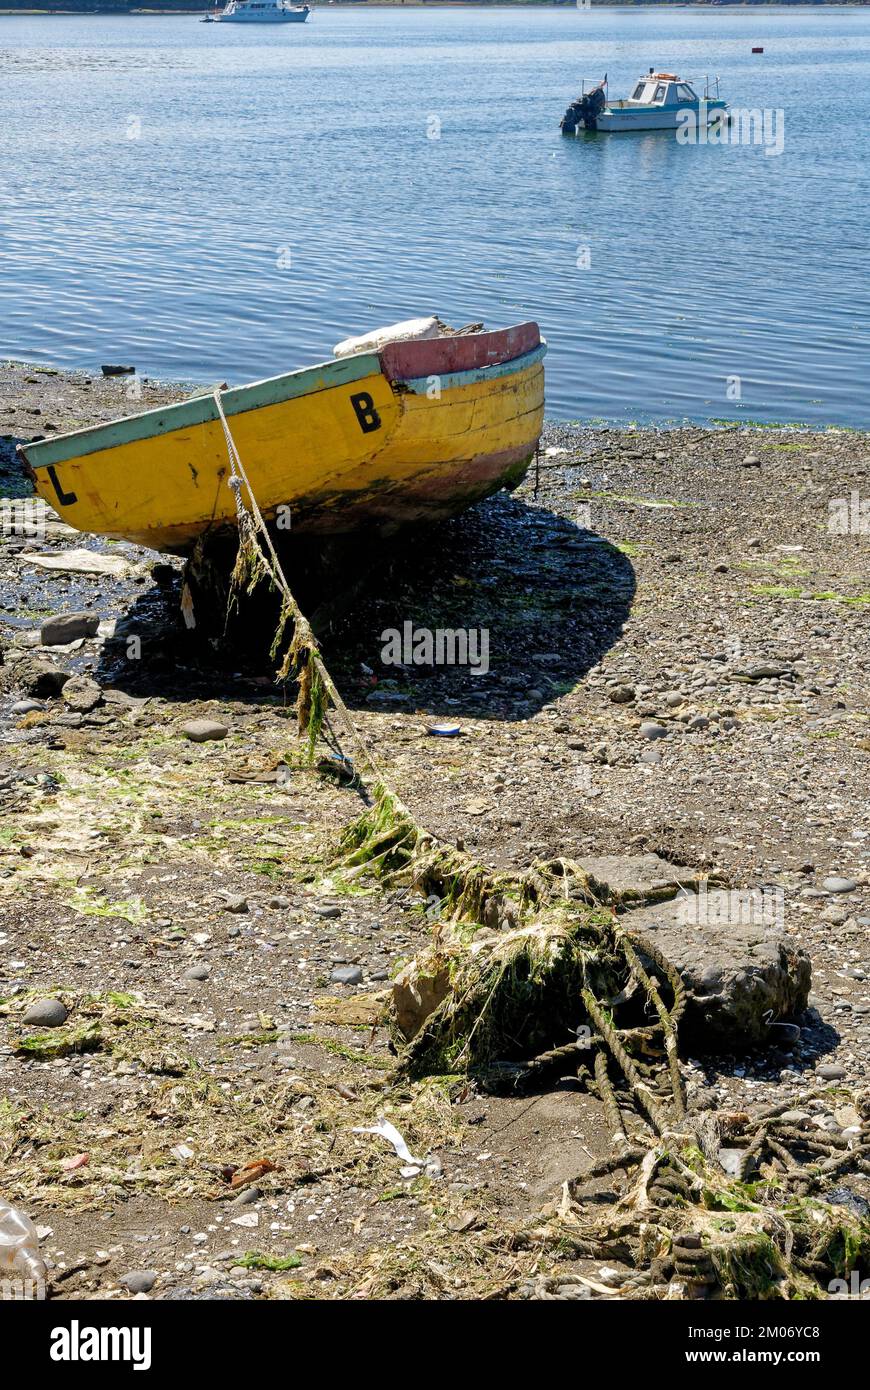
(247, 1197)
(197, 972)
(139, 1280)
(650, 729)
(346, 975)
(831, 1071)
(202, 730)
(328, 912)
(700, 721)
(622, 694)
(26, 706)
(234, 904)
(839, 885)
(46, 1013)
(651, 755)
(835, 915)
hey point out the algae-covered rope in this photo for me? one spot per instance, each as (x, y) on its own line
(628, 942)
(640, 1090)
(303, 638)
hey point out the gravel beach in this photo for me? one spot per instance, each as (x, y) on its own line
(678, 662)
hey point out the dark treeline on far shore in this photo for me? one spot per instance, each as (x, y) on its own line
(191, 6)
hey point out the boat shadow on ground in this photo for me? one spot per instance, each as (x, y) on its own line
(491, 615)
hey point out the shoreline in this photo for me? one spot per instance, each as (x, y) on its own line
(89, 386)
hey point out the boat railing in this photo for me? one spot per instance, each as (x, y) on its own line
(592, 82)
(709, 83)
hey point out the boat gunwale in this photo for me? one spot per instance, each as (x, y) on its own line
(451, 381)
(202, 410)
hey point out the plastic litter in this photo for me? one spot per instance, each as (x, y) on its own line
(445, 730)
(22, 1268)
(412, 1166)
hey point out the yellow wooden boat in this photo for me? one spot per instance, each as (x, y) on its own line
(416, 431)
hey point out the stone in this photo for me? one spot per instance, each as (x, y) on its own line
(835, 915)
(203, 730)
(751, 461)
(634, 877)
(46, 1013)
(231, 903)
(41, 679)
(416, 994)
(330, 913)
(197, 972)
(651, 756)
(831, 1071)
(700, 721)
(739, 977)
(768, 671)
(26, 707)
(622, 694)
(139, 1280)
(650, 729)
(247, 1197)
(834, 884)
(81, 694)
(68, 627)
(346, 975)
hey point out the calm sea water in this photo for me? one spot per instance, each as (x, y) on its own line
(210, 202)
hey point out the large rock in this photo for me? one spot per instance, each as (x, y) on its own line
(82, 694)
(68, 627)
(623, 878)
(40, 678)
(742, 973)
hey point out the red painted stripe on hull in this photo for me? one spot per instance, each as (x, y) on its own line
(439, 356)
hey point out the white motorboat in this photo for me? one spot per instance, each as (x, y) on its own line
(660, 101)
(260, 12)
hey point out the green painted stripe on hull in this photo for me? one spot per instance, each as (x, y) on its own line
(450, 381)
(201, 409)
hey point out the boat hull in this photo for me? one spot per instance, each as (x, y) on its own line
(264, 16)
(375, 442)
(612, 119)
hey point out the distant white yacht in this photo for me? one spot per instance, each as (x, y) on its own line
(259, 12)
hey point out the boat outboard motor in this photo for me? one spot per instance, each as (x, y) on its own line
(584, 111)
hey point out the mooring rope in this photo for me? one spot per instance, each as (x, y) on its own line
(303, 634)
(251, 522)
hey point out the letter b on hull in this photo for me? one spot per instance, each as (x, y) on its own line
(366, 412)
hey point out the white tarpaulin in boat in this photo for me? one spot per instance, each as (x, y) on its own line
(396, 333)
